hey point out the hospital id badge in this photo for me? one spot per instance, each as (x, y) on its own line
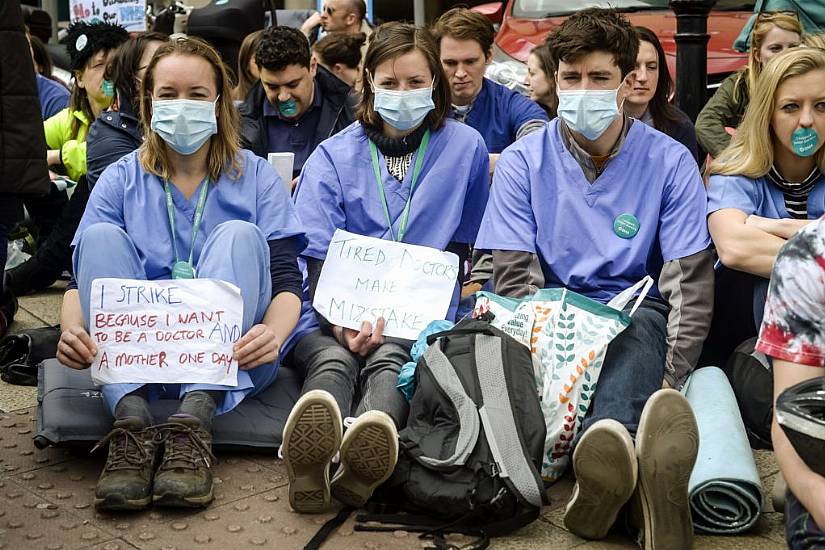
(183, 270)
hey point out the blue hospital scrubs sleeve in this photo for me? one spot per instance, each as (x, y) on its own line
(319, 202)
(522, 110)
(682, 223)
(732, 192)
(509, 223)
(276, 216)
(106, 200)
(478, 191)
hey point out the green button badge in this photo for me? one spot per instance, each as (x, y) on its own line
(626, 226)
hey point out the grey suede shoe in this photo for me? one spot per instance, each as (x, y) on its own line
(605, 466)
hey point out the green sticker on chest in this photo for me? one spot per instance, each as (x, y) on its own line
(626, 226)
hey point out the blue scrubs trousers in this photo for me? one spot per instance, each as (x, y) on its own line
(235, 251)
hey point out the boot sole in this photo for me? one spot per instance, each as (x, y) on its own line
(605, 466)
(312, 436)
(369, 453)
(666, 445)
(117, 503)
(176, 501)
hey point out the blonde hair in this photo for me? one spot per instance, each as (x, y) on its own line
(750, 152)
(765, 22)
(224, 146)
(815, 40)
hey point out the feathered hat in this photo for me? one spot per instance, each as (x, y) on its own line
(86, 39)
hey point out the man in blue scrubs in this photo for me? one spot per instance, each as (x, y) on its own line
(297, 104)
(604, 201)
(501, 116)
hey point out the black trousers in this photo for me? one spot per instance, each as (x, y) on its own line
(57, 217)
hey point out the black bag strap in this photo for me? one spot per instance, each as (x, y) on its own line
(326, 529)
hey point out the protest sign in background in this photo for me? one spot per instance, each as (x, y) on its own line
(365, 278)
(130, 14)
(170, 331)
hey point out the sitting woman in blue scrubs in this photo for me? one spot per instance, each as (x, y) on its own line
(769, 183)
(406, 172)
(188, 201)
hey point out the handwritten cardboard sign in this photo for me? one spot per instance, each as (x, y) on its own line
(130, 14)
(170, 331)
(365, 278)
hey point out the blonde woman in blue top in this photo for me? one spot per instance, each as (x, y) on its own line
(769, 182)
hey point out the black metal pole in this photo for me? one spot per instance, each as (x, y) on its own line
(691, 54)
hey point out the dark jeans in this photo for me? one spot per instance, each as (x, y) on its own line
(327, 365)
(801, 531)
(54, 255)
(634, 368)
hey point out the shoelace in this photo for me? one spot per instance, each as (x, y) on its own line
(182, 442)
(123, 456)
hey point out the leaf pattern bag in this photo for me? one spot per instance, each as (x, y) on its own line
(568, 335)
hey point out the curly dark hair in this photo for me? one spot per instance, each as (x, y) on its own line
(282, 46)
(595, 30)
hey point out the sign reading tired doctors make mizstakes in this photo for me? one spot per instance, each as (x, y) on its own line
(168, 331)
(365, 278)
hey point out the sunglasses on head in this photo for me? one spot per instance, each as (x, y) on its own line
(768, 15)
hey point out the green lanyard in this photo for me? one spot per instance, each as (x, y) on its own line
(185, 270)
(405, 215)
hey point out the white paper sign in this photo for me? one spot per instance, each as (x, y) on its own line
(130, 14)
(365, 278)
(169, 331)
(282, 163)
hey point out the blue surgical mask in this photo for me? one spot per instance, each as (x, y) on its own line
(588, 112)
(288, 108)
(804, 141)
(403, 110)
(185, 124)
(108, 88)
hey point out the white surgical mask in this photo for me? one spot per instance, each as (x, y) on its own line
(403, 109)
(588, 112)
(185, 124)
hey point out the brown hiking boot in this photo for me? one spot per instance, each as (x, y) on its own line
(184, 477)
(126, 480)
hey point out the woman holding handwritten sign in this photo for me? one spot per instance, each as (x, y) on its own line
(188, 203)
(403, 172)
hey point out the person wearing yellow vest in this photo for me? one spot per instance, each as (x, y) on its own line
(56, 215)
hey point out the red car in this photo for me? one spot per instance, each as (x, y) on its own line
(525, 23)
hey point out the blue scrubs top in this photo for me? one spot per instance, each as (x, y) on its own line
(337, 189)
(542, 203)
(759, 196)
(498, 112)
(134, 200)
(53, 97)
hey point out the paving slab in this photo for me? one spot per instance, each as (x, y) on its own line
(45, 305)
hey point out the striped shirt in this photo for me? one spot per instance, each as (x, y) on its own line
(398, 166)
(796, 194)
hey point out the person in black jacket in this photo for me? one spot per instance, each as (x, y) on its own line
(117, 132)
(649, 101)
(297, 104)
(23, 169)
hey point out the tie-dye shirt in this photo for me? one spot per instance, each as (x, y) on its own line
(793, 328)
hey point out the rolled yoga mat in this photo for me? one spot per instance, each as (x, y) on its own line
(725, 490)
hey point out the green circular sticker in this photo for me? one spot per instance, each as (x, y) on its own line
(626, 226)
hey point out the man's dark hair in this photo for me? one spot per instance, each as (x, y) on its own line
(595, 30)
(280, 47)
